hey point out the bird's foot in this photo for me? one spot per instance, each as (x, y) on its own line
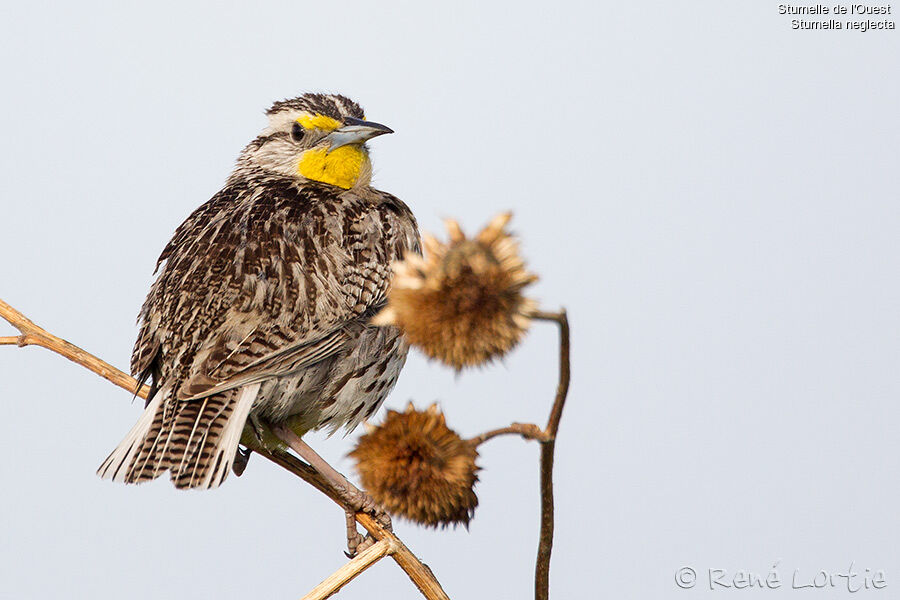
(364, 503)
(356, 501)
(240, 460)
(356, 542)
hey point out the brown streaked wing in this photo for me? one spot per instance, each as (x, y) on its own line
(260, 280)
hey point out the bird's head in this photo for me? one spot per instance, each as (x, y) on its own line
(315, 137)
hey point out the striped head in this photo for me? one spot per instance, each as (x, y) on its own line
(315, 137)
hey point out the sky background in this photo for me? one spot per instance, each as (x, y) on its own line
(713, 196)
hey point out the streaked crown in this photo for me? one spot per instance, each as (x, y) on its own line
(334, 106)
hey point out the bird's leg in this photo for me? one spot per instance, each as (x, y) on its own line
(352, 497)
(256, 435)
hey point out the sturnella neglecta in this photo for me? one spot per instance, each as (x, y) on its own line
(262, 305)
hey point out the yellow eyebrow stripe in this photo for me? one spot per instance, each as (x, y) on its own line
(319, 122)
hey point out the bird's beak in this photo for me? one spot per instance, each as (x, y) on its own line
(355, 131)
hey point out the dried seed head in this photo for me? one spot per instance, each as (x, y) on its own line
(463, 303)
(418, 468)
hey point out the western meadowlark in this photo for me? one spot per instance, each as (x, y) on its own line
(260, 313)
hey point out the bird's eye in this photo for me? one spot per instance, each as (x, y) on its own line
(297, 132)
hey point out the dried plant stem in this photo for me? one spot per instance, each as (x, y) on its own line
(545, 545)
(417, 571)
(334, 582)
(32, 335)
(529, 431)
(547, 438)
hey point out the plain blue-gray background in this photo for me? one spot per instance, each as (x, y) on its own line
(712, 195)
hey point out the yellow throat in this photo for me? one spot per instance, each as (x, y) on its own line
(341, 167)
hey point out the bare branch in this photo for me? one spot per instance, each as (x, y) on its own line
(36, 336)
(334, 582)
(562, 388)
(528, 431)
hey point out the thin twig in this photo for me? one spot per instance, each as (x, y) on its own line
(547, 439)
(418, 572)
(545, 544)
(528, 431)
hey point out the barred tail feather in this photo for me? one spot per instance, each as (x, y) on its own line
(195, 440)
(211, 447)
(117, 464)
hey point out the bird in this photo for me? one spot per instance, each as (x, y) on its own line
(259, 316)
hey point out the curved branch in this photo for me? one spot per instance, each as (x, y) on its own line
(562, 388)
(528, 431)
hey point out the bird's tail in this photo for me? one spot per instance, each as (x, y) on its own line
(195, 440)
